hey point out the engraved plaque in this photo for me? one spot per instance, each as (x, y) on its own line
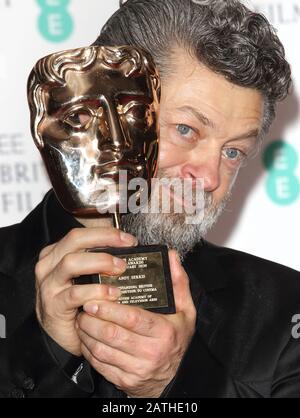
(147, 280)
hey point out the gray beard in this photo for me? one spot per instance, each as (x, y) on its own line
(171, 229)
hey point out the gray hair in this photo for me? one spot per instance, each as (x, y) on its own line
(224, 35)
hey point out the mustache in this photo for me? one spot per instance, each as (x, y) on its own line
(207, 196)
(210, 204)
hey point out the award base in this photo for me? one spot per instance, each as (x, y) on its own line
(145, 283)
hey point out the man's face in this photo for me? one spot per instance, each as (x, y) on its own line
(98, 123)
(208, 126)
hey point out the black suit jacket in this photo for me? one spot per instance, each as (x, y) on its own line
(242, 347)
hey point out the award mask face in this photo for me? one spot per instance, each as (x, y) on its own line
(93, 113)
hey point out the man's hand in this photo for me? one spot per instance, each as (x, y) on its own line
(57, 299)
(137, 350)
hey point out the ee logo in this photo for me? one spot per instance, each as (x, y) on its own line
(281, 161)
(55, 22)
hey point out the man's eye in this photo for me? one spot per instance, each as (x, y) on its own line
(184, 130)
(234, 154)
(78, 119)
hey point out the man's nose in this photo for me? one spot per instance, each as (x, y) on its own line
(207, 169)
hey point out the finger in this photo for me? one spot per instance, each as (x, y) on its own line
(75, 265)
(80, 239)
(46, 251)
(113, 335)
(111, 373)
(108, 355)
(181, 286)
(132, 318)
(76, 296)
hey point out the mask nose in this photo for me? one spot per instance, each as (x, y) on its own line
(112, 136)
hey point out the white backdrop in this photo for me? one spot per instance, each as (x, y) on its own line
(263, 217)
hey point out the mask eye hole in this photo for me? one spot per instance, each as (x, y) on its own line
(78, 118)
(139, 112)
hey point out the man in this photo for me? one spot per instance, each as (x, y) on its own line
(223, 70)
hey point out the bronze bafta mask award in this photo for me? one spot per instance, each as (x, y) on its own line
(94, 120)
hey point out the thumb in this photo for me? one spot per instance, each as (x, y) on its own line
(181, 287)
